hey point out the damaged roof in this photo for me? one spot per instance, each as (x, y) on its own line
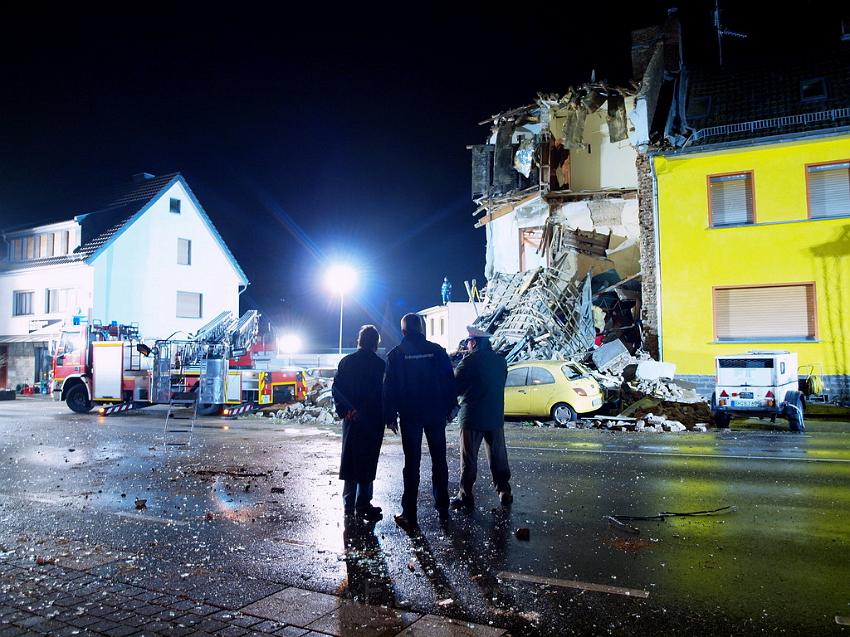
(763, 97)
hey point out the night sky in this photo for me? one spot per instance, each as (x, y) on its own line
(308, 138)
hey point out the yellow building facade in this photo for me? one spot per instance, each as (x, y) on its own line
(754, 253)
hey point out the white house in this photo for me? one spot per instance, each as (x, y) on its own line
(446, 324)
(150, 256)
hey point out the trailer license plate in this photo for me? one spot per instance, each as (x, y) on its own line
(746, 403)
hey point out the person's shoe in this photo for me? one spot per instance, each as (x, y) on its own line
(506, 498)
(462, 504)
(406, 523)
(373, 514)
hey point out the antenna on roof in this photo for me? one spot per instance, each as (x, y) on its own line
(721, 32)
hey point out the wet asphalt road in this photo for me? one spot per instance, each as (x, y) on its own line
(253, 502)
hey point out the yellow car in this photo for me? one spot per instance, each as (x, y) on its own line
(558, 390)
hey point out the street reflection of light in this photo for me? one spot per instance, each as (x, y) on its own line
(226, 427)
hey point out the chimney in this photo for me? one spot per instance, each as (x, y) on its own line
(140, 178)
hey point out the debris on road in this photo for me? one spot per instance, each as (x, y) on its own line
(523, 534)
(141, 504)
(620, 521)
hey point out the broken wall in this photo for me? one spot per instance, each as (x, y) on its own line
(649, 286)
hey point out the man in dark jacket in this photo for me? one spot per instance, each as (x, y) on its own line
(418, 388)
(480, 383)
(357, 390)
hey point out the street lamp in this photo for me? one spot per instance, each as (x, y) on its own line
(339, 279)
(289, 344)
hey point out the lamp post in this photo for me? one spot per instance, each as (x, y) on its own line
(339, 279)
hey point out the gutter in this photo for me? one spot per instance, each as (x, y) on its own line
(657, 246)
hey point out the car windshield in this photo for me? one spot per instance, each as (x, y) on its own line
(573, 371)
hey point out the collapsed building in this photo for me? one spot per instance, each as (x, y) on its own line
(556, 188)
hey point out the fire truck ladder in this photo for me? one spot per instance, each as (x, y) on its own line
(182, 406)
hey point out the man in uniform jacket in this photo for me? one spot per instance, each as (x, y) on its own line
(419, 388)
(480, 383)
(357, 390)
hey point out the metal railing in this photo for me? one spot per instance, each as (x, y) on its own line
(774, 122)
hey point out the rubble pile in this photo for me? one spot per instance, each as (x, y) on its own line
(305, 414)
(538, 315)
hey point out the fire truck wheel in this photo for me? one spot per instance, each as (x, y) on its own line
(208, 409)
(77, 399)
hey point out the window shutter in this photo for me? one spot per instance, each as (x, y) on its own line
(829, 190)
(482, 169)
(731, 200)
(188, 305)
(771, 313)
(184, 252)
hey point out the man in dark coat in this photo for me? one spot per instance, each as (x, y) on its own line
(419, 388)
(480, 383)
(357, 396)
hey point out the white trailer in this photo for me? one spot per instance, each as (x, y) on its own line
(760, 384)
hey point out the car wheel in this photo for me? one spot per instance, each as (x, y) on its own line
(77, 399)
(208, 409)
(794, 411)
(562, 413)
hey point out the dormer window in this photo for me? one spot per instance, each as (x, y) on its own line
(698, 107)
(813, 90)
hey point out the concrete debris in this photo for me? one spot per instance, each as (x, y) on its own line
(523, 534)
(305, 414)
(655, 370)
(611, 357)
(666, 390)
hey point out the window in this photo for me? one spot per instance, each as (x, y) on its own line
(189, 305)
(42, 246)
(698, 107)
(47, 245)
(540, 376)
(17, 249)
(813, 90)
(517, 377)
(765, 313)
(442, 326)
(22, 305)
(174, 206)
(432, 328)
(184, 252)
(731, 199)
(30, 249)
(61, 242)
(59, 300)
(829, 189)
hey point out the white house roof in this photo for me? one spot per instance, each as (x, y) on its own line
(101, 227)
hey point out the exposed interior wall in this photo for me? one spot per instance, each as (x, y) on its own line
(602, 164)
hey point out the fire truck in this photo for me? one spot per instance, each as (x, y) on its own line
(111, 367)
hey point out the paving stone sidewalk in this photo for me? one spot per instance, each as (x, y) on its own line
(49, 596)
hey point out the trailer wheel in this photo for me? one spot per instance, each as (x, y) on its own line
(208, 409)
(721, 421)
(794, 411)
(77, 399)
